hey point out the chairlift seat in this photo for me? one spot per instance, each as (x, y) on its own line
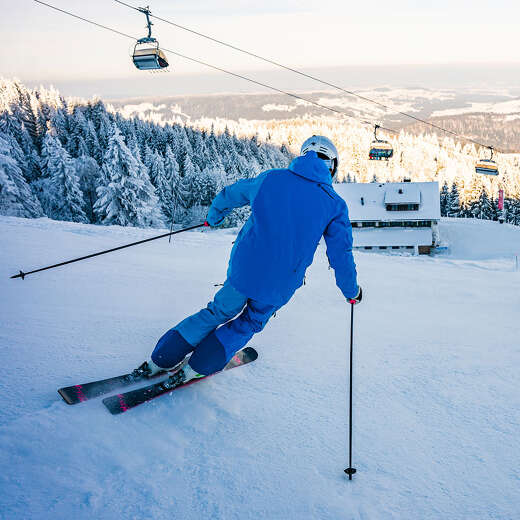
(380, 150)
(486, 167)
(149, 58)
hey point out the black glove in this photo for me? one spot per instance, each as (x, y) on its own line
(356, 298)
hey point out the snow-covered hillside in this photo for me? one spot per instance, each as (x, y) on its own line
(437, 407)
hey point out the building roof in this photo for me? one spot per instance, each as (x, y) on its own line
(375, 237)
(367, 201)
(407, 194)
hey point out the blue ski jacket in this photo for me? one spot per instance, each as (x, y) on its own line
(291, 209)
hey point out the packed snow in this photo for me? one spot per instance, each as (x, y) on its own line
(436, 401)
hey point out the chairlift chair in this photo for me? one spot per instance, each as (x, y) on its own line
(379, 149)
(147, 55)
(487, 166)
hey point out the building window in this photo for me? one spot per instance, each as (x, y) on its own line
(402, 207)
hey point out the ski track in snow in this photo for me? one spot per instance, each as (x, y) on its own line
(436, 415)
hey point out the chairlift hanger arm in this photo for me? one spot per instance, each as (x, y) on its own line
(146, 11)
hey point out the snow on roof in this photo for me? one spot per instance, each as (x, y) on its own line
(391, 237)
(407, 194)
(366, 201)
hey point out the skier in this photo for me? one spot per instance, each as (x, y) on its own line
(291, 209)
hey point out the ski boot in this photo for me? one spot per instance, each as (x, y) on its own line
(181, 377)
(149, 369)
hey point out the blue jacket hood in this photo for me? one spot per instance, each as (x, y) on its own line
(311, 167)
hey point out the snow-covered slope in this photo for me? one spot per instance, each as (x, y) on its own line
(437, 407)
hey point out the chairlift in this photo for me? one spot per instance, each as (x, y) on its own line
(487, 166)
(379, 149)
(147, 55)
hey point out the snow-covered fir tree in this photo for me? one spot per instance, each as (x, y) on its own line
(168, 186)
(63, 197)
(445, 199)
(129, 198)
(16, 197)
(90, 179)
(453, 208)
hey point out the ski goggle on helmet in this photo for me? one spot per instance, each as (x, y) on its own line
(325, 150)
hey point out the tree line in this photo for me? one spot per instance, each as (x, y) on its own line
(420, 158)
(78, 161)
(85, 162)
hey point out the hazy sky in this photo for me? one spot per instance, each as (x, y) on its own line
(39, 44)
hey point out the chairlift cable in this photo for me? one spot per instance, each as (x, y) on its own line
(314, 78)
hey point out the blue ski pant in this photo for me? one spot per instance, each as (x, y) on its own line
(212, 334)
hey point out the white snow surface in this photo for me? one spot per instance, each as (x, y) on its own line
(436, 401)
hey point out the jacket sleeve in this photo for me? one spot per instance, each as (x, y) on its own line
(338, 237)
(233, 196)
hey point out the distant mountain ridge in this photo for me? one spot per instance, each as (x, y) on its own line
(486, 115)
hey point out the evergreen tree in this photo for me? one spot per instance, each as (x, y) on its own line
(16, 198)
(482, 208)
(90, 179)
(78, 130)
(190, 173)
(445, 199)
(93, 147)
(32, 159)
(129, 198)
(454, 207)
(156, 169)
(168, 187)
(65, 200)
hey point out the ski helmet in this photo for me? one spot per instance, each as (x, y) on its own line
(325, 149)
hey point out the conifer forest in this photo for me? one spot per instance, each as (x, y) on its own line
(83, 161)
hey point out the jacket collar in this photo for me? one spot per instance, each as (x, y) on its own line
(311, 167)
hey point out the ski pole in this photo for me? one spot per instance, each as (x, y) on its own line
(22, 275)
(350, 470)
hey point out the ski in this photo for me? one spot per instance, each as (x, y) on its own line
(79, 393)
(122, 402)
